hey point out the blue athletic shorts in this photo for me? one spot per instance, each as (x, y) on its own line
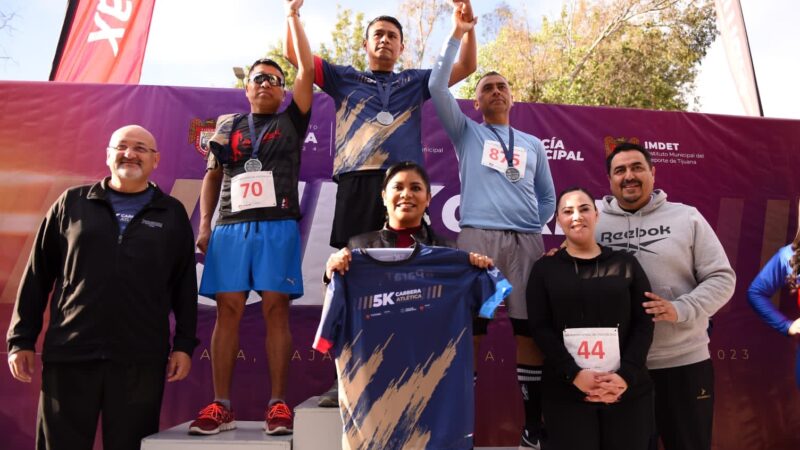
(254, 256)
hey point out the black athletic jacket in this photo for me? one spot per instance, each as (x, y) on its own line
(111, 293)
(386, 238)
(605, 291)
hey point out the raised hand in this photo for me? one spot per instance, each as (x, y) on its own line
(292, 6)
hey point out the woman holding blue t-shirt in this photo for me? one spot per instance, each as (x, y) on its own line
(780, 270)
(406, 194)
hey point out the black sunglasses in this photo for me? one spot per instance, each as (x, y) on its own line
(260, 78)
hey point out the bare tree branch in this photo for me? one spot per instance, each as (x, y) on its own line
(419, 18)
(629, 10)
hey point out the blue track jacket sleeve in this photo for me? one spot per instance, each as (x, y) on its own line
(769, 281)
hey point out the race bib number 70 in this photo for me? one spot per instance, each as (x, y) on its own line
(252, 190)
(594, 348)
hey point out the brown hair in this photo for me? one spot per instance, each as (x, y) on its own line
(794, 261)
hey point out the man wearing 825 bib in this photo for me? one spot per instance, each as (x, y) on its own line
(503, 205)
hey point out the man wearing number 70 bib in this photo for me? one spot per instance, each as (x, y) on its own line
(254, 160)
(585, 312)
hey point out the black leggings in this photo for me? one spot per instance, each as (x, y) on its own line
(627, 425)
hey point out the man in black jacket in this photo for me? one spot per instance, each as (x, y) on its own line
(118, 256)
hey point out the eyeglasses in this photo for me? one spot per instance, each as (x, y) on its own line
(139, 149)
(260, 78)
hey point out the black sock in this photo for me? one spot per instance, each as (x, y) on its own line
(530, 383)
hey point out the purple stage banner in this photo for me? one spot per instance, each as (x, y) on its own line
(737, 171)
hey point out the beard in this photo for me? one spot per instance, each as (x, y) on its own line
(128, 171)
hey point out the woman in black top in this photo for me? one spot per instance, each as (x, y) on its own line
(585, 312)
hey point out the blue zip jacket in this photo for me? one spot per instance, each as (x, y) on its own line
(769, 281)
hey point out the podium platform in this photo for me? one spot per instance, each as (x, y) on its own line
(315, 428)
(247, 435)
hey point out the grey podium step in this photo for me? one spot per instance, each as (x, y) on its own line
(317, 428)
(247, 435)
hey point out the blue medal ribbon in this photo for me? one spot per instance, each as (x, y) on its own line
(509, 152)
(255, 143)
(385, 91)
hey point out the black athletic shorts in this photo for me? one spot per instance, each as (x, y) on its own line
(359, 207)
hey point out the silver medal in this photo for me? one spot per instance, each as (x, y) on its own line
(252, 165)
(385, 118)
(512, 174)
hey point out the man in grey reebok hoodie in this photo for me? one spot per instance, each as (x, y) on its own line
(691, 280)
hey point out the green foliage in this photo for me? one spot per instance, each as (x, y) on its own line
(627, 53)
(348, 40)
(275, 53)
(346, 49)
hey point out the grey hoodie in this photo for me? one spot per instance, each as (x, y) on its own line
(685, 263)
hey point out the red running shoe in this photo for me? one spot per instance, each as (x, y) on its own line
(213, 419)
(279, 419)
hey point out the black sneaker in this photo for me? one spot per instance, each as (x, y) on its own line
(528, 441)
(330, 399)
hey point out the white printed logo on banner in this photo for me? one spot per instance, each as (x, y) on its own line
(120, 11)
(555, 150)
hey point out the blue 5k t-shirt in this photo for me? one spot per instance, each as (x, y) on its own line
(402, 334)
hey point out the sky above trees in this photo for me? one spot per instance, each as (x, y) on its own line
(197, 42)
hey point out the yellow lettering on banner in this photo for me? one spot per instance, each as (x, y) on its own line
(296, 356)
(489, 356)
(313, 355)
(327, 356)
(205, 354)
(241, 355)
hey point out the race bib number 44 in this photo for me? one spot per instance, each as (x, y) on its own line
(252, 190)
(494, 158)
(594, 348)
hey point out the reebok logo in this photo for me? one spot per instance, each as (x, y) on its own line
(622, 240)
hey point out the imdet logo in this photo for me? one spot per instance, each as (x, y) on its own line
(200, 132)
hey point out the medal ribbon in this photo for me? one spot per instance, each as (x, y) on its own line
(385, 91)
(256, 144)
(508, 152)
